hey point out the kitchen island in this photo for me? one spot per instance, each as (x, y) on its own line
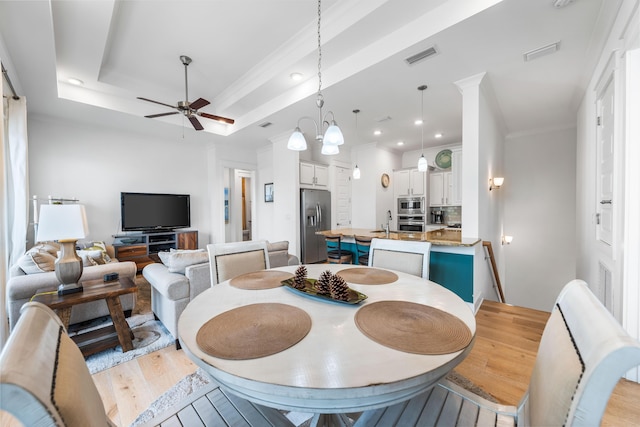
(441, 236)
(453, 260)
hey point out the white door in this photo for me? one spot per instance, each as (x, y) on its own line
(417, 183)
(343, 197)
(605, 135)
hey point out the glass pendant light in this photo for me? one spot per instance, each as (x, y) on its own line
(329, 150)
(297, 141)
(356, 170)
(422, 162)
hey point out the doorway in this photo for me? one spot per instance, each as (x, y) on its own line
(238, 204)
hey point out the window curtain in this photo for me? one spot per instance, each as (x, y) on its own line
(14, 195)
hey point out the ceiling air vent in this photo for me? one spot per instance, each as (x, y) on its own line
(541, 51)
(265, 124)
(421, 55)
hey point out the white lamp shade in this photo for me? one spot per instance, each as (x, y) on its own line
(356, 173)
(329, 150)
(498, 181)
(297, 141)
(422, 164)
(333, 135)
(59, 222)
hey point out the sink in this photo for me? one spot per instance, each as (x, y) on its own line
(382, 231)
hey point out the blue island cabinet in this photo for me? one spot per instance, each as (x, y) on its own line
(452, 268)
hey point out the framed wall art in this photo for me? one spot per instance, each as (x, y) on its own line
(268, 192)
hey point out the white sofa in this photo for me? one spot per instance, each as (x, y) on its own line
(22, 286)
(172, 291)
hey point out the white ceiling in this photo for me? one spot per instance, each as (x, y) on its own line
(243, 52)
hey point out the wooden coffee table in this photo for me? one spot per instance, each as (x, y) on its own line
(93, 290)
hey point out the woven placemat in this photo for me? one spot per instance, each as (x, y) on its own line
(367, 276)
(263, 279)
(252, 331)
(412, 327)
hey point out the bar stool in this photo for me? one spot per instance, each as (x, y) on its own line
(362, 246)
(335, 253)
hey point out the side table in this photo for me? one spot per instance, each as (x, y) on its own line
(103, 338)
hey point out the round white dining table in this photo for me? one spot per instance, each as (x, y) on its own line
(335, 368)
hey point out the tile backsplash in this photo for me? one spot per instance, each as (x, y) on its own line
(452, 214)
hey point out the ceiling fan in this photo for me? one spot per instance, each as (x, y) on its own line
(189, 109)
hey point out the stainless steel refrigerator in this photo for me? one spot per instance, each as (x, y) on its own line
(315, 215)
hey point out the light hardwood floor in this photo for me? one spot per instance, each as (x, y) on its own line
(501, 363)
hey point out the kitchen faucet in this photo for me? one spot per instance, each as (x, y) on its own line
(386, 228)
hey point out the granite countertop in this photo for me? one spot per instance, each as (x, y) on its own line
(441, 237)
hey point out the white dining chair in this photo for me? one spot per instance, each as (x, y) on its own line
(411, 257)
(583, 353)
(44, 381)
(228, 260)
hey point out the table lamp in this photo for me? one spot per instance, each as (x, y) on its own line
(66, 224)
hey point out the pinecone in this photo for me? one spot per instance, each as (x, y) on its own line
(322, 285)
(300, 279)
(339, 288)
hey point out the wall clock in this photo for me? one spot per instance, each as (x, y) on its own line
(384, 180)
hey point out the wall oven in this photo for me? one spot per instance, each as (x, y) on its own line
(411, 205)
(415, 223)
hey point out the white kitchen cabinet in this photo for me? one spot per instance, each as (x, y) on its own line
(445, 188)
(314, 176)
(409, 183)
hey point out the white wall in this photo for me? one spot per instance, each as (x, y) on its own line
(95, 163)
(369, 200)
(539, 211)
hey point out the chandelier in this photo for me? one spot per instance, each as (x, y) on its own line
(333, 135)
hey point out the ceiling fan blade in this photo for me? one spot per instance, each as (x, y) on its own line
(157, 102)
(196, 124)
(153, 116)
(218, 118)
(199, 103)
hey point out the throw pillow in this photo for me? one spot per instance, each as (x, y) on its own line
(98, 246)
(90, 257)
(177, 260)
(37, 262)
(50, 247)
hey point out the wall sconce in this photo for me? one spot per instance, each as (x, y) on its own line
(506, 240)
(495, 182)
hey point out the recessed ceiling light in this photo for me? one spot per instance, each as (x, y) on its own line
(75, 81)
(438, 135)
(400, 142)
(296, 76)
(418, 122)
(377, 132)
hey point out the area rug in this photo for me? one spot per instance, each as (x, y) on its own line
(199, 379)
(149, 335)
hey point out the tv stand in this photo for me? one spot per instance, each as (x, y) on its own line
(142, 248)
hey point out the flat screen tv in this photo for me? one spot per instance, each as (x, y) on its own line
(154, 212)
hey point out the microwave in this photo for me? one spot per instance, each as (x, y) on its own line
(411, 205)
